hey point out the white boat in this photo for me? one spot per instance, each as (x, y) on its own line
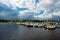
(17, 23)
(50, 26)
(41, 25)
(58, 25)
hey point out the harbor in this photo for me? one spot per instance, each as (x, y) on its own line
(21, 31)
(49, 25)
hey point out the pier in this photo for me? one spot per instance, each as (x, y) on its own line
(41, 25)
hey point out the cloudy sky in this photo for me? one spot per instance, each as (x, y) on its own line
(30, 9)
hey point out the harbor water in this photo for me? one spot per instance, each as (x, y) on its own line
(12, 31)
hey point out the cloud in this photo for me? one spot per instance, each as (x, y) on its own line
(52, 9)
(26, 15)
(26, 9)
(7, 13)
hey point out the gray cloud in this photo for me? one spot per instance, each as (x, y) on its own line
(51, 8)
(26, 16)
(7, 13)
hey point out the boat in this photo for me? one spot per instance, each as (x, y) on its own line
(29, 24)
(50, 26)
(58, 25)
(17, 23)
(41, 25)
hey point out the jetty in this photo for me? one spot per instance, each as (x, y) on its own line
(31, 24)
(46, 25)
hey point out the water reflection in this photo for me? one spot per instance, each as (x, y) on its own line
(9, 31)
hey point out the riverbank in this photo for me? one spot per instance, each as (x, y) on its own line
(1, 20)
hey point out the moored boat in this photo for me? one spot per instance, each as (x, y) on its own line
(50, 26)
(41, 25)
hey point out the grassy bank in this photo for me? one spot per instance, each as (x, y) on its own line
(29, 21)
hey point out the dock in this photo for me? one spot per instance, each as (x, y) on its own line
(32, 24)
(40, 25)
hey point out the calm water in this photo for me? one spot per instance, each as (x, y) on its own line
(10, 31)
